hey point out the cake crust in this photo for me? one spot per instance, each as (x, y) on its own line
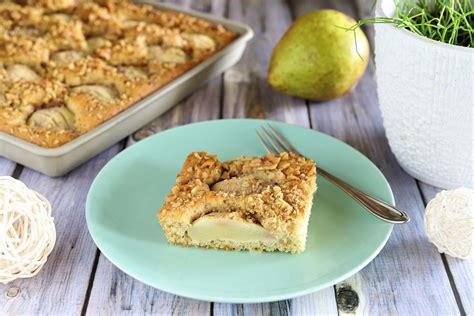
(273, 191)
(126, 51)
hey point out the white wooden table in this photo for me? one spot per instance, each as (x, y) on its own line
(409, 276)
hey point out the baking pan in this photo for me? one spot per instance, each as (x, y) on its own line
(58, 161)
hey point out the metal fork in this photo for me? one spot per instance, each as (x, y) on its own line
(277, 143)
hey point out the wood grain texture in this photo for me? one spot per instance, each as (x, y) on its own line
(6, 167)
(59, 289)
(406, 267)
(408, 277)
(349, 301)
(462, 271)
(115, 293)
(318, 303)
(247, 94)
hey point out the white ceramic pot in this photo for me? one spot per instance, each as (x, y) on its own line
(425, 90)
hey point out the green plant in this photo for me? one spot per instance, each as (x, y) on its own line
(447, 21)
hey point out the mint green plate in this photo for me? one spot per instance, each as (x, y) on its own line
(124, 197)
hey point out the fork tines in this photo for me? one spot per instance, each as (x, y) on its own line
(274, 142)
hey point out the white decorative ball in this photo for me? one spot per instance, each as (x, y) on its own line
(27, 231)
(449, 222)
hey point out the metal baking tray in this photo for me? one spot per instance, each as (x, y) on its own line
(58, 161)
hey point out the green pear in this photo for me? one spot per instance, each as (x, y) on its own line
(317, 58)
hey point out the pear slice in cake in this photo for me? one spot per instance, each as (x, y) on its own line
(227, 226)
(250, 203)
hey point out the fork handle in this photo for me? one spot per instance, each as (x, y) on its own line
(375, 206)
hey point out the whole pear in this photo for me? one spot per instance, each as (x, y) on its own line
(317, 58)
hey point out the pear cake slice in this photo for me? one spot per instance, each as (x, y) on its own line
(250, 203)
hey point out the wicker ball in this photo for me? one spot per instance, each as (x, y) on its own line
(27, 231)
(449, 222)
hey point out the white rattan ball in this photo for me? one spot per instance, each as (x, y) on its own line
(27, 231)
(449, 222)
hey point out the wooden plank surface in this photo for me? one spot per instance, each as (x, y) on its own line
(408, 277)
(246, 92)
(59, 289)
(6, 167)
(406, 267)
(116, 293)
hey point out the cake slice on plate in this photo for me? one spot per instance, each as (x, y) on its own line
(250, 203)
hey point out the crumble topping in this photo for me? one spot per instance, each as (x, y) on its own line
(250, 203)
(272, 188)
(67, 66)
